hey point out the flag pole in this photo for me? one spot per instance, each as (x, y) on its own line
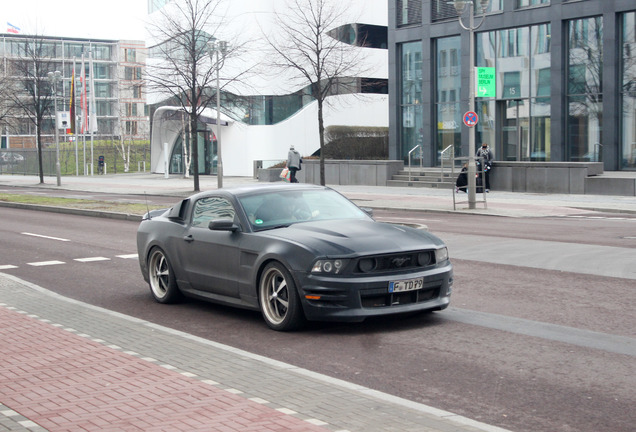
(92, 123)
(72, 105)
(83, 109)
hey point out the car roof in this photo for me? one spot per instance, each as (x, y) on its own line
(259, 188)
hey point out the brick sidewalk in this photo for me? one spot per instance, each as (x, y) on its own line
(65, 382)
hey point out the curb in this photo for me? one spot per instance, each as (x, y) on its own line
(74, 211)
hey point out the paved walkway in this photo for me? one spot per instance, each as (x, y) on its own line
(497, 203)
(69, 366)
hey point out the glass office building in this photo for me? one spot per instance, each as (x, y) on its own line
(565, 80)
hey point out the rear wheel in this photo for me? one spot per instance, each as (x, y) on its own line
(163, 284)
(280, 304)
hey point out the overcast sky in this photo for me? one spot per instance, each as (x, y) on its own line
(98, 19)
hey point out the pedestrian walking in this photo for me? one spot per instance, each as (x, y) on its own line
(294, 164)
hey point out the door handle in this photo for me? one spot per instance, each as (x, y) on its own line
(188, 238)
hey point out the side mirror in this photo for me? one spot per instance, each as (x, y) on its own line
(223, 225)
(367, 210)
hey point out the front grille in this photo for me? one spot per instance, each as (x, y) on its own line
(395, 262)
(375, 300)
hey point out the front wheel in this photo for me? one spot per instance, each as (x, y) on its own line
(280, 304)
(163, 283)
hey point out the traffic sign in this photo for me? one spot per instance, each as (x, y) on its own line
(470, 118)
(485, 82)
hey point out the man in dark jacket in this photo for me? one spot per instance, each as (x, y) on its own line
(484, 154)
(293, 164)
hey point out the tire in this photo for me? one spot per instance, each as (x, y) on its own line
(163, 284)
(278, 298)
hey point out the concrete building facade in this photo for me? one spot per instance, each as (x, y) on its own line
(118, 81)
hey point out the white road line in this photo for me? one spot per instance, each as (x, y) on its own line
(45, 263)
(129, 256)
(8, 266)
(46, 237)
(92, 259)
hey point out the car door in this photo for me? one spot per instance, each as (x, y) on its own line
(211, 258)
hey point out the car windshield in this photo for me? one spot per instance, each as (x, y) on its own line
(283, 208)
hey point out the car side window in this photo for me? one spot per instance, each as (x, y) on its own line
(212, 208)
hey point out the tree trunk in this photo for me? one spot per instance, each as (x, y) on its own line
(321, 134)
(39, 145)
(195, 149)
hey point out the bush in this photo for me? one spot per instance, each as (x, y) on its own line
(356, 143)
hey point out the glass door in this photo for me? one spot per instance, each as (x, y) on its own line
(515, 129)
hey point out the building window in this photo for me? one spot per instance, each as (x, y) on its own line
(529, 3)
(410, 95)
(448, 82)
(511, 85)
(136, 91)
(409, 12)
(628, 91)
(131, 128)
(584, 77)
(130, 55)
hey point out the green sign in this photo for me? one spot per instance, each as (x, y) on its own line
(485, 82)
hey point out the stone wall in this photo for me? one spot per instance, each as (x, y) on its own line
(543, 177)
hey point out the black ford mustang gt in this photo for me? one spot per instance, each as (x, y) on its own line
(295, 252)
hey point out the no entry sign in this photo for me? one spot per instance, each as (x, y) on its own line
(470, 118)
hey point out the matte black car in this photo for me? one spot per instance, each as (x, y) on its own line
(295, 252)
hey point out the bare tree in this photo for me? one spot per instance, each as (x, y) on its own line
(6, 89)
(34, 94)
(185, 72)
(306, 48)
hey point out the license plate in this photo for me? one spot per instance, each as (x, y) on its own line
(406, 285)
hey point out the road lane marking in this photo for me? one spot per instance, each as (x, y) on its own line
(129, 256)
(83, 260)
(45, 263)
(91, 259)
(46, 237)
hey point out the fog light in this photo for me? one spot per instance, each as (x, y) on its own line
(424, 258)
(367, 264)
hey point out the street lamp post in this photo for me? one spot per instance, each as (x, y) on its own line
(462, 6)
(55, 77)
(219, 48)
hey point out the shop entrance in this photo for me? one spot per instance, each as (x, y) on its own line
(206, 154)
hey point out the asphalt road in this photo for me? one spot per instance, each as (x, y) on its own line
(538, 336)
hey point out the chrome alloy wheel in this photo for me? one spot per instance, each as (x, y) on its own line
(161, 278)
(279, 301)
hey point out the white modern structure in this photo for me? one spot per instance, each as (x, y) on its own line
(267, 113)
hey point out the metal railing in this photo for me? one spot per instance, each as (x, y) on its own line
(464, 160)
(598, 152)
(447, 154)
(421, 157)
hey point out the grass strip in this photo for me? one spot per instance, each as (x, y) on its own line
(77, 203)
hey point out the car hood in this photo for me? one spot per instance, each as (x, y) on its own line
(355, 237)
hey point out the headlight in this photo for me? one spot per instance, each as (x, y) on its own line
(441, 255)
(328, 266)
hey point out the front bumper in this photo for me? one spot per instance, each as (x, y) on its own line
(362, 296)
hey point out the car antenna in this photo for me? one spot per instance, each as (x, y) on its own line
(147, 207)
